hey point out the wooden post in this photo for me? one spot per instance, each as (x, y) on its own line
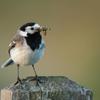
(49, 88)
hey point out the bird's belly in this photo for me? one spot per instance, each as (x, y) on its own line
(25, 56)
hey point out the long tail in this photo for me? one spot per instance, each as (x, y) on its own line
(7, 63)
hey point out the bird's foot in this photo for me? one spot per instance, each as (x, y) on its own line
(37, 79)
(18, 81)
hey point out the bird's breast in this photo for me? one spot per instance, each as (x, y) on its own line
(24, 55)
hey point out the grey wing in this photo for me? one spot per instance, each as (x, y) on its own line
(17, 39)
(11, 45)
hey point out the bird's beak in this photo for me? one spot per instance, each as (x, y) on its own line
(44, 30)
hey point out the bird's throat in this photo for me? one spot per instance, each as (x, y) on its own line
(33, 40)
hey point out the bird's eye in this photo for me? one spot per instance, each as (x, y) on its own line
(32, 28)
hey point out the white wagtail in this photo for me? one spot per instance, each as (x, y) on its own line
(27, 46)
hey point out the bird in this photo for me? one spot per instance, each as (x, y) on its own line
(27, 47)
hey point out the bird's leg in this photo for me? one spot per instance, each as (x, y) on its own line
(37, 80)
(18, 78)
(34, 71)
(36, 76)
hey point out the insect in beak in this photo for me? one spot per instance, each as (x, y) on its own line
(44, 29)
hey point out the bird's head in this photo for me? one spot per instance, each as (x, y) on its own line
(31, 28)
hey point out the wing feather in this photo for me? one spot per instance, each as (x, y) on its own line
(17, 40)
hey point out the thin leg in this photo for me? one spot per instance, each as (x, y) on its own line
(34, 71)
(17, 72)
(18, 78)
(37, 80)
(36, 76)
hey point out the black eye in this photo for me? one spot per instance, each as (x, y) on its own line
(32, 28)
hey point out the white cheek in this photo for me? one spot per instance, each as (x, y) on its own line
(28, 30)
(23, 33)
(36, 26)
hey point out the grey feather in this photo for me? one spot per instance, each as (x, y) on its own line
(7, 63)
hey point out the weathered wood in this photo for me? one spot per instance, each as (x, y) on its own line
(53, 88)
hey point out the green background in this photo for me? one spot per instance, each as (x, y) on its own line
(72, 45)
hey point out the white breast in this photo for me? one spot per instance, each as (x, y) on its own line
(23, 55)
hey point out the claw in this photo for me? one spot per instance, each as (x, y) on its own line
(36, 78)
(18, 81)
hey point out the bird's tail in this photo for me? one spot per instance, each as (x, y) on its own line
(7, 63)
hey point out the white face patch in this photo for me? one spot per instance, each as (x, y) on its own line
(36, 26)
(23, 33)
(29, 30)
(32, 29)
